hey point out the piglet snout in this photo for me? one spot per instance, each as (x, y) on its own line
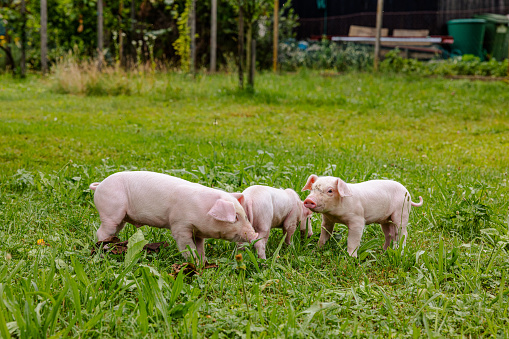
(309, 203)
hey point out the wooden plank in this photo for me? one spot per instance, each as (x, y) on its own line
(411, 32)
(420, 33)
(366, 31)
(390, 39)
(379, 18)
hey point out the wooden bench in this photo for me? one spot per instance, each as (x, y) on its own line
(414, 43)
(366, 31)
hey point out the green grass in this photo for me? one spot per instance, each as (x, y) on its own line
(444, 140)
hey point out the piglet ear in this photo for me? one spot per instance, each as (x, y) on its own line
(311, 180)
(239, 197)
(223, 210)
(248, 207)
(343, 189)
(246, 204)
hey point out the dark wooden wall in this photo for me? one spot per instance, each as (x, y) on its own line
(404, 14)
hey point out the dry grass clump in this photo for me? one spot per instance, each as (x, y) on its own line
(83, 77)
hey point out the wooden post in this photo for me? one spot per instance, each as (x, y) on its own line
(44, 36)
(120, 33)
(213, 36)
(192, 23)
(276, 36)
(132, 49)
(23, 38)
(241, 47)
(252, 70)
(100, 41)
(379, 10)
(249, 38)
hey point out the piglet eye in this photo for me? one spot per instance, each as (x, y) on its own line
(236, 217)
(329, 191)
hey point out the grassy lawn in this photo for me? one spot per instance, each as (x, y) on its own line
(447, 141)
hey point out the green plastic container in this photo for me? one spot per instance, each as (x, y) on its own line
(468, 35)
(496, 36)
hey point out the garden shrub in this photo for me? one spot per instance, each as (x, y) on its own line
(462, 65)
(355, 57)
(393, 62)
(325, 55)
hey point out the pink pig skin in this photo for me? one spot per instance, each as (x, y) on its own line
(385, 202)
(191, 211)
(268, 207)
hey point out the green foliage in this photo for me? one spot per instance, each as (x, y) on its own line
(158, 34)
(182, 44)
(469, 214)
(463, 65)
(440, 265)
(325, 55)
(134, 247)
(347, 57)
(288, 23)
(393, 62)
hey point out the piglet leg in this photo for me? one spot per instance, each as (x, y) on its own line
(327, 229)
(390, 234)
(355, 230)
(184, 238)
(200, 248)
(289, 228)
(261, 244)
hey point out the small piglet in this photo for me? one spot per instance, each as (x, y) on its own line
(191, 211)
(268, 207)
(385, 202)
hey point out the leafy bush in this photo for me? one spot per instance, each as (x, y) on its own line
(462, 65)
(325, 55)
(393, 62)
(346, 57)
(288, 23)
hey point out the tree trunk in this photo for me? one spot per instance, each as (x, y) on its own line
(23, 39)
(241, 47)
(131, 32)
(249, 39)
(275, 36)
(252, 69)
(192, 24)
(213, 36)
(100, 39)
(8, 54)
(44, 36)
(379, 11)
(120, 33)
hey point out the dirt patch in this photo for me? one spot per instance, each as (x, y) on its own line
(116, 246)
